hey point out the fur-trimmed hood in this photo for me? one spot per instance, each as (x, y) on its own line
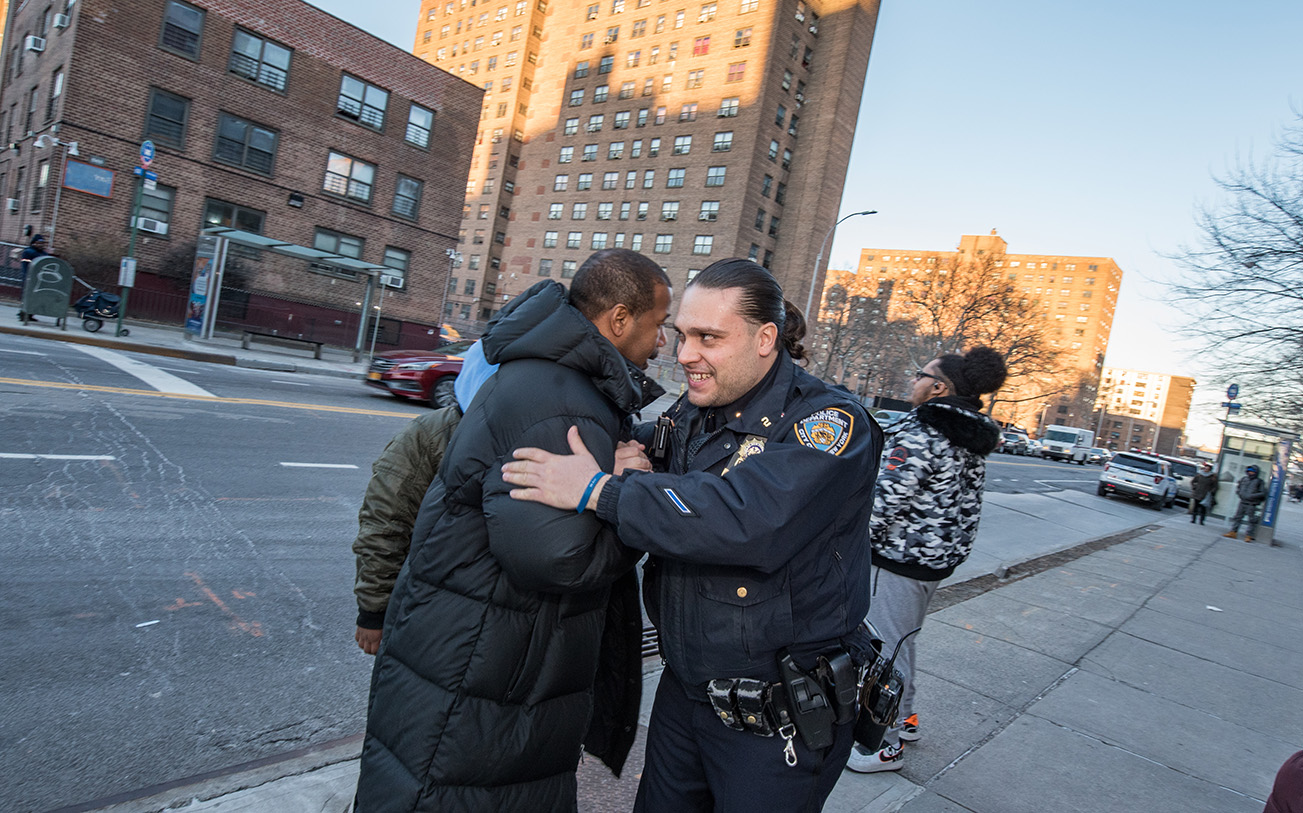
(966, 429)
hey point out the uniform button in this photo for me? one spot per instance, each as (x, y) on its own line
(728, 446)
(723, 715)
(751, 718)
(741, 592)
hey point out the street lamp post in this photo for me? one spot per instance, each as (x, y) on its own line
(814, 278)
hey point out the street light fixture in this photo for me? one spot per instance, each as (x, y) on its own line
(814, 278)
(43, 141)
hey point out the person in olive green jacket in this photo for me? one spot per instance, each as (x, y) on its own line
(399, 480)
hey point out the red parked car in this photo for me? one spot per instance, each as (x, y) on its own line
(422, 375)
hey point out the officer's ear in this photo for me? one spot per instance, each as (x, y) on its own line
(767, 339)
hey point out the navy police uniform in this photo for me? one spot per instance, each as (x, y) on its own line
(757, 529)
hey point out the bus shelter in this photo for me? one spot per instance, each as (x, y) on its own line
(1268, 448)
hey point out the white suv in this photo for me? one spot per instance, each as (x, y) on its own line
(1142, 476)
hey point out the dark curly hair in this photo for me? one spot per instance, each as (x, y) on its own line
(761, 300)
(977, 372)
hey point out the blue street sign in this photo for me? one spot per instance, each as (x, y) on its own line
(146, 153)
(1231, 405)
(149, 176)
(1232, 391)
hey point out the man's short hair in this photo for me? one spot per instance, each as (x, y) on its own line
(616, 276)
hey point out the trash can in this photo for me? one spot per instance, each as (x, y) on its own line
(47, 291)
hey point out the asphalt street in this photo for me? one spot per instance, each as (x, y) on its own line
(175, 570)
(1015, 474)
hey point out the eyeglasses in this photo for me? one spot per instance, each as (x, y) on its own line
(922, 374)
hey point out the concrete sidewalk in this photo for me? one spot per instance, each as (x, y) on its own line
(1160, 673)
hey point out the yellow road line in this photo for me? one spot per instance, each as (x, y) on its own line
(59, 385)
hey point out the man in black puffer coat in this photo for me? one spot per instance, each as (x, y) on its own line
(483, 689)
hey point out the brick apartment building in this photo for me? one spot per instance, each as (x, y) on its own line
(273, 117)
(1078, 297)
(1137, 409)
(690, 132)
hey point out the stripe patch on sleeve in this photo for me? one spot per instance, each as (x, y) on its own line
(678, 502)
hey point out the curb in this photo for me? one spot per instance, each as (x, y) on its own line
(115, 344)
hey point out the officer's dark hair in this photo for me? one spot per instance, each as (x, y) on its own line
(613, 277)
(761, 301)
(979, 371)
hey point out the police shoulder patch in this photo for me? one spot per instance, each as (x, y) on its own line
(828, 430)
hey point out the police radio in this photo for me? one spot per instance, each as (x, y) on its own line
(660, 446)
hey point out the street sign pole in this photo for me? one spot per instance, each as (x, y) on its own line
(128, 279)
(1231, 392)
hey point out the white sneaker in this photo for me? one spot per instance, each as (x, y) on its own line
(889, 758)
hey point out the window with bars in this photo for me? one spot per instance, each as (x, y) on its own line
(259, 60)
(420, 122)
(245, 144)
(407, 197)
(349, 177)
(183, 28)
(166, 121)
(362, 102)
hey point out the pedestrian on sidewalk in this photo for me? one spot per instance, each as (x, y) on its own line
(926, 509)
(1203, 492)
(756, 524)
(1252, 492)
(33, 252)
(513, 634)
(399, 479)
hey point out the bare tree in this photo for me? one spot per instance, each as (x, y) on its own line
(1243, 287)
(856, 345)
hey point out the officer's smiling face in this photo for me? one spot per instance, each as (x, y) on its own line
(722, 354)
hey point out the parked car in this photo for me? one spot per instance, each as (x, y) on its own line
(1140, 476)
(887, 417)
(1184, 471)
(421, 375)
(1098, 454)
(1013, 442)
(1033, 447)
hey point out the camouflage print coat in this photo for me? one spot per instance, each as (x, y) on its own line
(929, 490)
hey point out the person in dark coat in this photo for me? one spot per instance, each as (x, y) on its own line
(1252, 492)
(756, 525)
(487, 676)
(1203, 492)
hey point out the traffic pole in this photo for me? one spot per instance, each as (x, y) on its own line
(131, 253)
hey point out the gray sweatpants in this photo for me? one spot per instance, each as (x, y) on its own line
(898, 606)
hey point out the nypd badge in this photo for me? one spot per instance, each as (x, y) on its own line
(752, 444)
(828, 430)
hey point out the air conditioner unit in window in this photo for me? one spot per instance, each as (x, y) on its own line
(150, 225)
(14, 208)
(800, 18)
(800, 97)
(709, 217)
(391, 280)
(669, 217)
(13, 204)
(36, 44)
(61, 20)
(814, 29)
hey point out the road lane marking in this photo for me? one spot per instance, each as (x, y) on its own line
(151, 375)
(291, 383)
(319, 465)
(13, 456)
(62, 385)
(22, 352)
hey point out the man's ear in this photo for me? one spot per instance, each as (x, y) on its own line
(767, 338)
(614, 323)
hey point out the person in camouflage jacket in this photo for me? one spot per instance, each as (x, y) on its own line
(926, 507)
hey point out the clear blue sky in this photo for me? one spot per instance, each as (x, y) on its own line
(1072, 128)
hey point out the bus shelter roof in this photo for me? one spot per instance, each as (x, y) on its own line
(265, 243)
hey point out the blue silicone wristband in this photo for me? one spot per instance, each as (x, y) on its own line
(588, 492)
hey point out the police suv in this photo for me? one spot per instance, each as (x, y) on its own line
(1141, 476)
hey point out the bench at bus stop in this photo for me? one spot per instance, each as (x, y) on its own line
(248, 335)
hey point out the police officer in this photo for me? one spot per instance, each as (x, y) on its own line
(756, 521)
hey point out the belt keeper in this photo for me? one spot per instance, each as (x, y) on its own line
(588, 492)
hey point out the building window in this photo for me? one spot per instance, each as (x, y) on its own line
(585, 182)
(701, 46)
(780, 194)
(397, 260)
(349, 177)
(696, 79)
(555, 211)
(670, 210)
(737, 71)
(244, 144)
(749, 5)
(607, 62)
(595, 123)
(760, 220)
(586, 42)
(221, 213)
(635, 149)
(571, 126)
(742, 38)
(598, 241)
(567, 155)
(787, 159)
(626, 92)
(345, 245)
(259, 60)
(682, 145)
(639, 29)
(419, 124)
(550, 239)
(709, 211)
(56, 90)
(604, 210)
(615, 151)
(579, 211)
(774, 222)
(723, 142)
(568, 269)
(728, 107)
(545, 268)
(362, 102)
(702, 244)
(631, 179)
(560, 183)
(664, 244)
(581, 69)
(167, 117)
(653, 148)
(610, 180)
(707, 13)
(688, 112)
(715, 176)
(469, 290)
(621, 120)
(590, 152)
(183, 28)
(792, 125)
(407, 197)
(576, 98)
(675, 179)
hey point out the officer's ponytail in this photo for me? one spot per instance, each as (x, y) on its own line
(761, 300)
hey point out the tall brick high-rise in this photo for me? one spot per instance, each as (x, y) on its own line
(273, 117)
(690, 132)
